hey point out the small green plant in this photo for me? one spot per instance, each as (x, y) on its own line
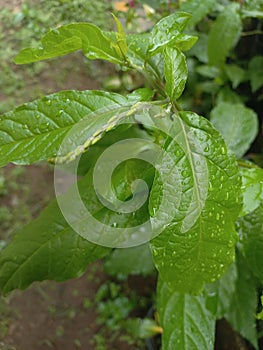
(155, 184)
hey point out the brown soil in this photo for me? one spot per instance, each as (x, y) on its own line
(51, 315)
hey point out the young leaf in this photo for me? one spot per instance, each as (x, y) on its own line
(224, 34)
(238, 125)
(121, 37)
(36, 130)
(241, 313)
(251, 232)
(168, 32)
(175, 72)
(198, 9)
(138, 55)
(130, 261)
(61, 41)
(186, 322)
(194, 203)
(252, 187)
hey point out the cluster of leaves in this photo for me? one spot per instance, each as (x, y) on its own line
(198, 236)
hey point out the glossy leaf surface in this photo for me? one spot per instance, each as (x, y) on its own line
(72, 37)
(187, 323)
(175, 72)
(36, 131)
(194, 203)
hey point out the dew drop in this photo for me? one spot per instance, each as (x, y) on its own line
(223, 150)
(178, 153)
(155, 252)
(210, 187)
(217, 216)
(48, 102)
(37, 116)
(206, 149)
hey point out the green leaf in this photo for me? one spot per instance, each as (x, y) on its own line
(61, 41)
(194, 203)
(226, 94)
(208, 71)
(260, 314)
(198, 9)
(142, 94)
(36, 130)
(252, 188)
(121, 37)
(138, 55)
(256, 72)
(221, 292)
(224, 34)
(175, 72)
(187, 323)
(251, 232)
(235, 74)
(238, 125)
(47, 248)
(130, 261)
(168, 32)
(199, 50)
(242, 310)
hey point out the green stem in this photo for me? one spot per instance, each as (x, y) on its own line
(252, 32)
(176, 106)
(247, 165)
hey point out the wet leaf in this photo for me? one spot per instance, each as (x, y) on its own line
(175, 72)
(63, 40)
(36, 130)
(252, 188)
(194, 204)
(168, 32)
(187, 323)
